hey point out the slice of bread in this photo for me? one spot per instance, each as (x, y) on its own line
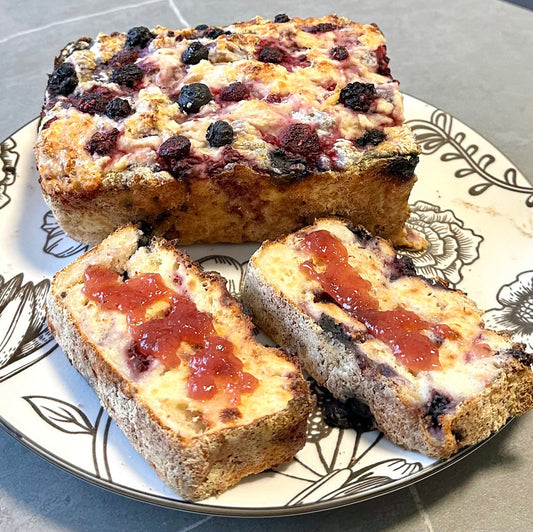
(459, 385)
(198, 446)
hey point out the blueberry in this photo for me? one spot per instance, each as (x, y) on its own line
(358, 96)
(139, 36)
(103, 143)
(127, 75)
(118, 108)
(193, 96)
(339, 53)
(234, 92)
(371, 137)
(219, 133)
(63, 80)
(281, 17)
(93, 104)
(194, 53)
(438, 406)
(300, 139)
(174, 148)
(271, 54)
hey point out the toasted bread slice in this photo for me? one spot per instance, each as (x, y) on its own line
(198, 445)
(414, 350)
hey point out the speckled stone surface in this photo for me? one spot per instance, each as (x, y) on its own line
(471, 58)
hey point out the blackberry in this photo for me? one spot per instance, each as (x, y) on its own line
(281, 17)
(321, 28)
(234, 92)
(93, 104)
(219, 133)
(194, 53)
(402, 166)
(358, 96)
(124, 57)
(103, 143)
(213, 33)
(175, 148)
(339, 53)
(371, 137)
(127, 75)
(139, 36)
(291, 168)
(300, 139)
(271, 54)
(118, 108)
(201, 27)
(63, 80)
(193, 96)
(439, 404)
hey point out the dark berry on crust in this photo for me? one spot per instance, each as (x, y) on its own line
(383, 61)
(371, 137)
(339, 53)
(138, 361)
(124, 57)
(127, 75)
(213, 33)
(335, 330)
(300, 139)
(194, 53)
(518, 352)
(281, 18)
(175, 148)
(438, 406)
(320, 28)
(201, 27)
(192, 97)
(362, 235)
(286, 167)
(234, 92)
(271, 54)
(139, 36)
(402, 267)
(63, 80)
(402, 166)
(93, 104)
(358, 96)
(118, 108)
(48, 123)
(219, 133)
(103, 143)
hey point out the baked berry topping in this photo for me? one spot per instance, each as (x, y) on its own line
(103, 143)
(214, 32)
(438, 405)
(339, 53)
(118, 108)
(192, 97)
(358, 96)
(300, 139)
(124, 57)
(234, 92)
(281, 18)
(271, 54)
(201, 27)
(93, 104)
(175, 148)
(321, 28)
(219, 133)
(127, 75)
(518, 352)
(402, 267)
(402, 166)
(138, 361)
(273, 98)
(335, 330)
(63, 80)
(362, 235)
(46, 125)
(139, 36)
(194, 53)
(282, 165)
(371, 137)
(383, 60)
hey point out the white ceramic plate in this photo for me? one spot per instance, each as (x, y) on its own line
(471, 204)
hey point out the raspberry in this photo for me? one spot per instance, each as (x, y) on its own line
(219, 133)
(300, 139)
(63, 80)
(358, 96)
(174, 148)
(93, 104)
(282, 17)
(195, 52)
(118, 108)
(372, 137)
(103, 143)
(271, 54)
(339, 53)
(234, 92)
(192, 97)
(320, 28)
(127, 75)
(139, 36)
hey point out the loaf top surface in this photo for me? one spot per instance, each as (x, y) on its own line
(285, 98)
(151, 381)
(470, 357)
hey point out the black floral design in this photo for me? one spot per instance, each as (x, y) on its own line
(231, 269)
(57, 242)
(440, 131)
(516, 311)
(451, 245)
(23, 329)
(10, 158)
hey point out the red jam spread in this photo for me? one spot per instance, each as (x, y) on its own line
(401, 329)
(213, 367)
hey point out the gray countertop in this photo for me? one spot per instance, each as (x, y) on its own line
(471, 58)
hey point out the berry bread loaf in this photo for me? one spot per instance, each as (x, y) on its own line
(227, 134)
(366, 326)
(172, 358)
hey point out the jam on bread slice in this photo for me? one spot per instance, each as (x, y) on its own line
(227, 134)
(172, 358)
(366, 326)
